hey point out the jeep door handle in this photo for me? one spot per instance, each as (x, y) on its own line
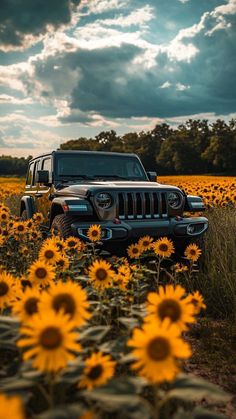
(38, 195)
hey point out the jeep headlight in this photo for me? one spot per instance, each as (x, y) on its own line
(104, 200)
(174, 200)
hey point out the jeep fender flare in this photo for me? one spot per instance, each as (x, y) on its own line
(71, 206)
(27, 203)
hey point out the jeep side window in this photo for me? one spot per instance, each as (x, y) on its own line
(47, 165)
(36, 168)
(30, 174)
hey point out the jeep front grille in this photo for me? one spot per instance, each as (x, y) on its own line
(139, 205)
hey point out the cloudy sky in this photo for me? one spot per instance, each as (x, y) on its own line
(71, 68)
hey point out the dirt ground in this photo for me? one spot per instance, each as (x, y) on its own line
(214, 357)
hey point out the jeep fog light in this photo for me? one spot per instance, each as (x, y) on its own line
(190, 229)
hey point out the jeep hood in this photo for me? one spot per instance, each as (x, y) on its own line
(88, 188)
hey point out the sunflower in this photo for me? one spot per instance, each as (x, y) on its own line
(134, 251)
(94, 233)
(145, 243)
(101, 274)
(4, 217)
(49, 340)
(68, 297)
(19, 228)
(11, 407)
(62, 263)
(49, 253)
(73, 243)
(2, 240)
(24, 250)
(98, 370)
(170, 302)
(59, 242)
(123, 277)
(192, 252)
(38, 217)
(29, 223)
(28, 304)
(157, 349)
(163, 247)
(41, 273)
(35, 235)
(179, 268)
(8, 290)
(197, 300)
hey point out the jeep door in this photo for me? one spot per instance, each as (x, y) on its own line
(43, 194)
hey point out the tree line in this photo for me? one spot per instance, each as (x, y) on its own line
(194, 147)
(13, 166)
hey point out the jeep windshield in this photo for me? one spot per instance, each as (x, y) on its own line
(92, 166)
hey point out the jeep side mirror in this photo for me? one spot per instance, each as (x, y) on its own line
(42, 176)
(152, 176)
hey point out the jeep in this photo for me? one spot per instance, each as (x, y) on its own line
(75, 189)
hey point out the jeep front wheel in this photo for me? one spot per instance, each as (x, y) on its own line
(61, 226)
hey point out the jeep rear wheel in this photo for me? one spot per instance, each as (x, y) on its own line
(24, 215)
(61, 226)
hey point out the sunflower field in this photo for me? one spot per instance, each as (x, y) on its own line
(84, 334)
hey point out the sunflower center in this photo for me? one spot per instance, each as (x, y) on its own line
(49, 254)
(95, 372)
(94, 233)
(169, 308)
(20, 228)
(101, 274)
(3, 288)
(135, 250)
(158, 349)
(71, 243)
(163, 247)
(31, 305)
(50, 338)
(41, 273)
(66, 302)
(146, 243)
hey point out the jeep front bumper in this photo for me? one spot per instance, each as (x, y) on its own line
(177, 227)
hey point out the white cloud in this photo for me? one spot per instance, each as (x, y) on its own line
(101, 6)
(136, 17)
(181, 87)
(226, 9)
(165, 85)
(14, 100)
(15, 76)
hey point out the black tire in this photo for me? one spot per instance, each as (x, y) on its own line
(24, 215)
(61, 226)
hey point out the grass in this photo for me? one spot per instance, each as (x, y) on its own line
(217, 277)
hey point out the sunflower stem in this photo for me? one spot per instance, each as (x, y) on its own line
(51, 382)
(158, 271)
(156, 400)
